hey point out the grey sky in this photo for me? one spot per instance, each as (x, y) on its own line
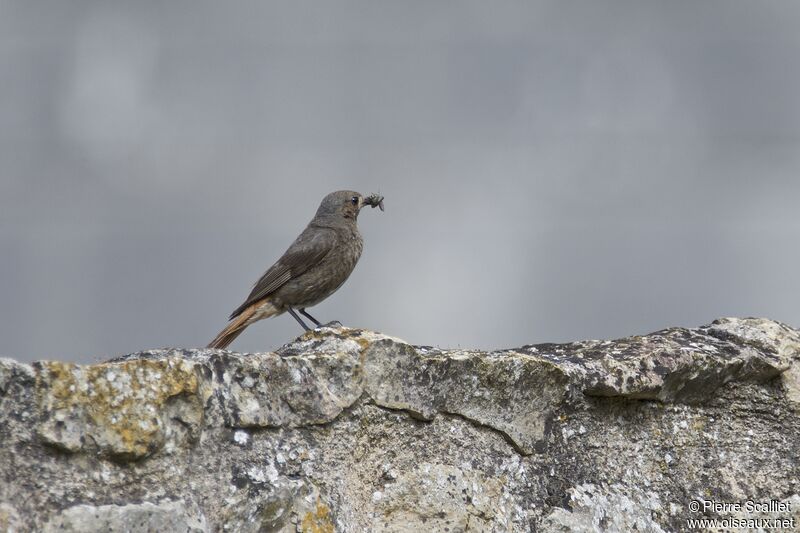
(552, 170)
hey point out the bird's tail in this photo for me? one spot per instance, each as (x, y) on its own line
(227, 335)
(255, 312)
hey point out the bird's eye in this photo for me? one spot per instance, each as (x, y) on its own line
(354, 199)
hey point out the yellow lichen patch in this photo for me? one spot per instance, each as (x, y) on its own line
(9, 519)
(319, 521)
(364, 343)
(59, 381)
(698, 424)
(356, 335)
(116, 405)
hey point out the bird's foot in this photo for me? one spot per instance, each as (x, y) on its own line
(332, 324)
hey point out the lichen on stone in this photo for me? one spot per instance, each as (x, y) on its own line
(115, 407)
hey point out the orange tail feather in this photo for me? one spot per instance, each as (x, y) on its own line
(255, 312)
(232, 330)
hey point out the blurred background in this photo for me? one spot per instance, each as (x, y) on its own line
(552, 170)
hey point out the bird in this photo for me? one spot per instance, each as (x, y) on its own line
(316, 264)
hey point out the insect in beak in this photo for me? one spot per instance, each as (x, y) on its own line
(374, 200)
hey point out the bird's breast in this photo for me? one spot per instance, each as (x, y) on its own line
(320, 281)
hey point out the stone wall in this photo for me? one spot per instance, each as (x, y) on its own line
(351, 430)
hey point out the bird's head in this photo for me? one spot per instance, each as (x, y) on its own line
(345, 204)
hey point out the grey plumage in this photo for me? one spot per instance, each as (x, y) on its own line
(317, 263)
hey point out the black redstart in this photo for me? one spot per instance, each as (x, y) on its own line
(317, 263)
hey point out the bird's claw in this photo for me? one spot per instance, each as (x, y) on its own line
(332, 324)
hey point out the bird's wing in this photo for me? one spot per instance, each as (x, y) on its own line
(306, 251)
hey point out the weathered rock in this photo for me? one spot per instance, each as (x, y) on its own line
(165, 516)
(351, 430)
(595, 508)
(124, 409)
(10, 521)
(510, 392)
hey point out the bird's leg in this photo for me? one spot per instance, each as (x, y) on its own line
(305, 314)
(331, 324)
(291, 312)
